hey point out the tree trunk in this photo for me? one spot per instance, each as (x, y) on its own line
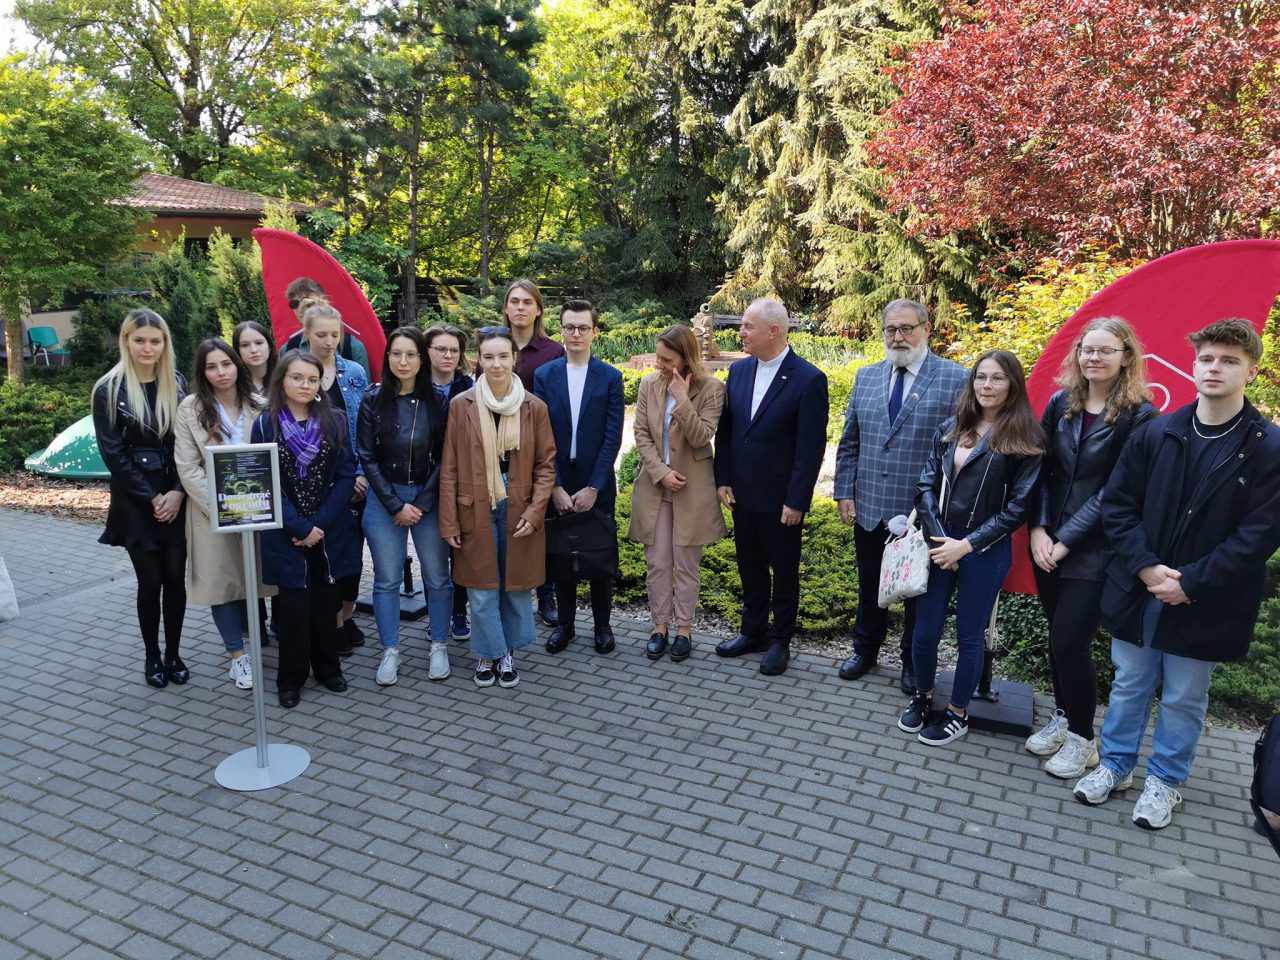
(13, 337)
(486, 141)
(409, 306)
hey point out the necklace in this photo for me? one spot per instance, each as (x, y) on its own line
(1195, 425)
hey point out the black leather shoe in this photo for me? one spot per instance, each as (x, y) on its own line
(289, 698)
(775, 659)
(681, 648)
(908, 680)
(858, 665)
(740, 645)
(355, 636)
(547, 609)
(156, 674)
(656, 646)
(337, 684)
(177, 670)
(559, 639)
(604, 640)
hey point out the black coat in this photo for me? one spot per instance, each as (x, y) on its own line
(1075, 469)
(989, 498)
(1219, 543)
(142, 468)
(400, 442)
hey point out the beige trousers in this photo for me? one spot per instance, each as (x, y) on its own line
(672, 576)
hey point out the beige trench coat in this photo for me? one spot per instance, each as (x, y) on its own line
(464, 496)
(215, 565)
(695, 509)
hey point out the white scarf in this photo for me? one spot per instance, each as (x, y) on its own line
(502, 437)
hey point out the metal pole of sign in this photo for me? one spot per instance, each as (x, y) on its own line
(264, 764)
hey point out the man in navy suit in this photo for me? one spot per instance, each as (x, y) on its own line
(894, 411)
(769, 447)
(585, 404)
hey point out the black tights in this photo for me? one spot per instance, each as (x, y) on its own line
(161, 584)
(1073, 610)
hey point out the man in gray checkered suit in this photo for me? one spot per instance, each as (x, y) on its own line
(893, 413)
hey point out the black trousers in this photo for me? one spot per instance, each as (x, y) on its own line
(871, 625)
(306, 628)
(1074, 610)
(573, 479)
(768, 554)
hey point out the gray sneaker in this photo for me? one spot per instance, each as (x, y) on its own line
(439, 669)
(389, 669)
(1099, 785)
(1049, 740)
(1076, 756)
(1154, 809)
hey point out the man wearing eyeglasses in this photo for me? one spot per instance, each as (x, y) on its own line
(893, 413)
(586, 407)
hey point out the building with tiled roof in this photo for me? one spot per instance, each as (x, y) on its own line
(198, 209)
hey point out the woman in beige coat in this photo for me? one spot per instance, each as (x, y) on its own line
(495, 481)
(220, 409)
(674, 510)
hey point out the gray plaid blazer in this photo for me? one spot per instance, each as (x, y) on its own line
(878, 463)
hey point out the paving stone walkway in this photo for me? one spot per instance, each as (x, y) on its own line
(606, 807)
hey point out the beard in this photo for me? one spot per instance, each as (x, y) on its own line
(905, 358)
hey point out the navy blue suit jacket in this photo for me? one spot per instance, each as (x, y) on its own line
(600, 420)
(773, 459)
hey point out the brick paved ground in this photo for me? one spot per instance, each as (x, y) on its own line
(607, 807)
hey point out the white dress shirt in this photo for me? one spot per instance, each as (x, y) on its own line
(908, 374)
(766, 370)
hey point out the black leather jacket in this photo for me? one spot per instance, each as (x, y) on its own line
(401, 442)
(1076, 468)
(140, 460)
(988, 499)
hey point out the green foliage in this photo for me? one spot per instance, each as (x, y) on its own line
(234, 280)
(97, 324)
(370, 256)
(181, 299)
(631, 382)
(33, 413)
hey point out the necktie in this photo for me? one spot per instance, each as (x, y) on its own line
(895, 395)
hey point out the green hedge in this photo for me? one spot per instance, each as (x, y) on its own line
(34, 412)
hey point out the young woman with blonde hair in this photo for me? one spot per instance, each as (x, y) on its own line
(1104, 398)
(135, 408)
(674, 510)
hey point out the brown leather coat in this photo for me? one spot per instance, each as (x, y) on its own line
(696, 511)
(464, 496)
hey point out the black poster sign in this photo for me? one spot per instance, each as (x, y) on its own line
(244, 482)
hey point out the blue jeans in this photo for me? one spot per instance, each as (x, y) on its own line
(501, 620)
(389, 545)
(977, 585)
(232, 621)
(1184, 700)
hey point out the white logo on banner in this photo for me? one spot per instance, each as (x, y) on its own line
(1158, 388)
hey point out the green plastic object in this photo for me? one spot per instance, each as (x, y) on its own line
(73, 455)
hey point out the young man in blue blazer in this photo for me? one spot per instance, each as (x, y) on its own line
(769, 448)
(585, 402)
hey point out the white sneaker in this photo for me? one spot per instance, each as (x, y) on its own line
(1076, 756)
(439, 669)
(1049, 740)
(1154, 809)
(1097, 786)
(389, 668)
(241, 671)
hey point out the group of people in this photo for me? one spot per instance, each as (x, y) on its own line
(1137, 523)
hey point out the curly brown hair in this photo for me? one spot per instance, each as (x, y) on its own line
(1130, 389)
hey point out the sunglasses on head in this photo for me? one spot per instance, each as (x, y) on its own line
(293, 304)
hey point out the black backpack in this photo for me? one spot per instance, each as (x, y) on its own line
(1265, 793)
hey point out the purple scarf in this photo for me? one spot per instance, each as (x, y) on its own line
(303, 442)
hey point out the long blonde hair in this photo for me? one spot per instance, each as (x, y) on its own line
(162, 418)
(1130, 389)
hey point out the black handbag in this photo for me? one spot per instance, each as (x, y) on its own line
(582, 545)
(1264, 795)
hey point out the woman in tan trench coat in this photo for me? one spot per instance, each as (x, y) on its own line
(495, 481)
(220, 409)
(674, 510)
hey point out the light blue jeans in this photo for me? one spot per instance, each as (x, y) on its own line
(501, 620)
(232, 621)
(1184, 700)
(389, 545)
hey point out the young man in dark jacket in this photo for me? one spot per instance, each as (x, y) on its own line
(1192, 512)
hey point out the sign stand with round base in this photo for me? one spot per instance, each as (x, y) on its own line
(240, 771)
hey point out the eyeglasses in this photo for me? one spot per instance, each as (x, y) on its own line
(1102, 353)
(575, 330)
(400, 355)
(996, 379)
(904, 330)
(301, 381)
(447, 351)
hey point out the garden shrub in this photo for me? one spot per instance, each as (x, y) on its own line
(34, 412)
(97, 323)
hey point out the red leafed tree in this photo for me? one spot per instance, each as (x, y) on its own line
(1150, 126)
